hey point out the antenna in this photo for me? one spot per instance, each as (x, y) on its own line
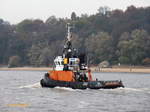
(69, 32)
(68, 46)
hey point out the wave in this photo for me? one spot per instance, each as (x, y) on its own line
(146, 90)
(130, 89)
(65, 88)
(35, 85)
(38, 85)
(126, 89)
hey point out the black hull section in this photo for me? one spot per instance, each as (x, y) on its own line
(47, 82)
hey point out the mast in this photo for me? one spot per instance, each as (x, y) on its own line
(67, 51)
(69, 32)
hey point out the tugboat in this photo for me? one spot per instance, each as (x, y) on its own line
(71, 71)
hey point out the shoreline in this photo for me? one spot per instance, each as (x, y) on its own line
(123, 70)
(93, 69)
(26, 69)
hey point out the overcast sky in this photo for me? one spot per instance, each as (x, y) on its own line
(15, 11)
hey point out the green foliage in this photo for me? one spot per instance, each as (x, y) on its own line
(124, 60)
(43, 54)
(135, 48)
(117, 36)
(99, 47)
(73, 16)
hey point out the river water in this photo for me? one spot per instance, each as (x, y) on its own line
(20, 91)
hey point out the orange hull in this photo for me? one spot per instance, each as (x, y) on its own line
(62, 75)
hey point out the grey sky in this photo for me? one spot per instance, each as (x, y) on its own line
(15, 11)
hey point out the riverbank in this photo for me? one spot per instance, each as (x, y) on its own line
(94, 69)
(121, 69)
(26, 69)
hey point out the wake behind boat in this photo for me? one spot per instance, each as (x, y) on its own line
(71, 70)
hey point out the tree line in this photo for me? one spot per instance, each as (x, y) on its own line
(116, 36)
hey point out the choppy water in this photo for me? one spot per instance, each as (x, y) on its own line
(20, 91)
